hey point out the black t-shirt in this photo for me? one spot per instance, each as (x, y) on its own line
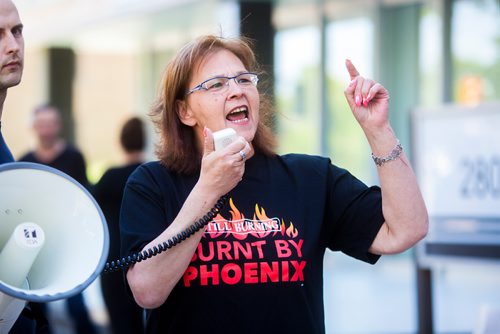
(259, 266)
(70, 161)
(108, 193)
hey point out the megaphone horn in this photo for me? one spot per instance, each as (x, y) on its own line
(54, 239)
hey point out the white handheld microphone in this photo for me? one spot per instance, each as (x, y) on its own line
(223, 138)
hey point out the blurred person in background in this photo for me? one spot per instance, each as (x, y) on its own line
(126, 317)
(248, 228)
(52, 150)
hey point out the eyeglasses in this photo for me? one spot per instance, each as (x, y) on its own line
(220, 84)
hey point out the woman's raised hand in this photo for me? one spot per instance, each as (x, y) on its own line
(369, 100)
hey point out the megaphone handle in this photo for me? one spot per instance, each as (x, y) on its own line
(126, 262)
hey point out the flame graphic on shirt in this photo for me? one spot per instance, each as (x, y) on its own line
(260, 226)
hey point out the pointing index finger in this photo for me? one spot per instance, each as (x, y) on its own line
(353, 72)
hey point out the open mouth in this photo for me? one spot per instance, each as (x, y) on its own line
(238, 115)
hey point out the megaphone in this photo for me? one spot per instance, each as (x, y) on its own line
(54, 239)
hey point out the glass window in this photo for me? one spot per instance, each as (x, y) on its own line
(476, 51)
(297, 89)
(352, 39)
(430, 56)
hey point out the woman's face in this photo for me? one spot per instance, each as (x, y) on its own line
(234, 106)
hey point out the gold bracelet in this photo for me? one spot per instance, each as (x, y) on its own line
(395, 153)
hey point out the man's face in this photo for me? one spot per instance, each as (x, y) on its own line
(47, 125)
(11, 45)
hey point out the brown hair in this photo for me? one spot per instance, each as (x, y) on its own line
(177, 147)
(132, 136)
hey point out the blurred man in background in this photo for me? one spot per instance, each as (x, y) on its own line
(52, 150)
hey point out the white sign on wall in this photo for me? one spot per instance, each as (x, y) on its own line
(456, 154)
